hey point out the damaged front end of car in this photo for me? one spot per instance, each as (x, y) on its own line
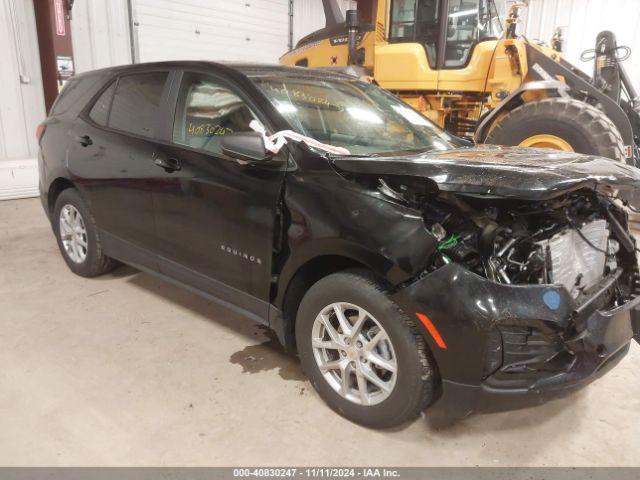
(532, 288)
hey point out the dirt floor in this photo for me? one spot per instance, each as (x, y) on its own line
(129, 370)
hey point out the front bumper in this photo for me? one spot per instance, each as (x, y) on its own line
(504, 347)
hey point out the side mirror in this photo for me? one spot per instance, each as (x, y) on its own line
(246, 146)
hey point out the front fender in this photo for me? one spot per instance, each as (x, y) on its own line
(348, 220)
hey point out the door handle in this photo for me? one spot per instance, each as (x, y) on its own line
(168, 164)
(84, 140)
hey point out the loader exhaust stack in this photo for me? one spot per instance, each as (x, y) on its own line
(353, 27)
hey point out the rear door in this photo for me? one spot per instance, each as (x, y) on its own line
(215, 216)
(111, 155)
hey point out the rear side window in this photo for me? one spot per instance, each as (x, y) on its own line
(100, 111)
(136, 103)
(75, 94)
(65, 97)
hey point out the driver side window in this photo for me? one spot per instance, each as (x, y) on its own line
(206, 111)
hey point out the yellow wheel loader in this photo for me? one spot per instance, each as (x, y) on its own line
(464, 68)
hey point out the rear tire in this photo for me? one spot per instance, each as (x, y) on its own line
(78, 237)
(585, 128)
(404, 393)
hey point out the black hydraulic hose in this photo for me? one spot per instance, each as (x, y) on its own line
(626, 81)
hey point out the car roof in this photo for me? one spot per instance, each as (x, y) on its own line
(248, 69)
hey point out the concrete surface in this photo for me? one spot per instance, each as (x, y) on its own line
(128, 370)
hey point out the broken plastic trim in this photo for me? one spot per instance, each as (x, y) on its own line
(276, 141)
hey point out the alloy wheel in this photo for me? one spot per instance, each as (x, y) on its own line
(354, 353)
(73, 234)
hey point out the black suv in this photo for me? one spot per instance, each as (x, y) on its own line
(406, 266)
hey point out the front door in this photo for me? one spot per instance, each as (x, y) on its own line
(215, 215)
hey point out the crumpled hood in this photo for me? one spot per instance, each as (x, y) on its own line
(524, 173)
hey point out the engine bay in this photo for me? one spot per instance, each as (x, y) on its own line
(575, 239)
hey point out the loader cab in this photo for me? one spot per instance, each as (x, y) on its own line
(438, 46)
(448, 30)
(425, 46)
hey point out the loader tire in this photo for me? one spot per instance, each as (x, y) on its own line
(560, 123)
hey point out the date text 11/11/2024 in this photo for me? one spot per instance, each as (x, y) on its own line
(316, 472)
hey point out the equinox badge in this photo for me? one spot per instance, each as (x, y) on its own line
(238, 253)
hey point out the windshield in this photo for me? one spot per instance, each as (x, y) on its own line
(352, 114)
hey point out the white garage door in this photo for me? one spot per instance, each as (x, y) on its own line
(239, 30)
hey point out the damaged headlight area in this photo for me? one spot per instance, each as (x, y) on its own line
(575, 239)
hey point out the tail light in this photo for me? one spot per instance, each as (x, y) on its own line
(40, 131)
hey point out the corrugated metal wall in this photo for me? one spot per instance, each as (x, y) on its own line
(21, 99)
(583, 20)
(100, 34)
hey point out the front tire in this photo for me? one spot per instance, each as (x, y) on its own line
(560, 123)
(78, 237)
(363, 355)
